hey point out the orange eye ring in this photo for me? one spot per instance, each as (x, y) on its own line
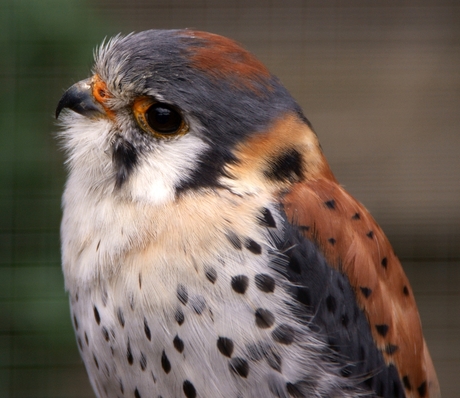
(158, 119)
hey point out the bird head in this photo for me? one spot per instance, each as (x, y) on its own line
(167, 112)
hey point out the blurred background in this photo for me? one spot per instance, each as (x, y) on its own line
(379, 80)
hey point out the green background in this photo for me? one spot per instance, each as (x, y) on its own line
(379, 80)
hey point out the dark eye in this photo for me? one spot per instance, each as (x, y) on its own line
(159, 119)
(163, 119)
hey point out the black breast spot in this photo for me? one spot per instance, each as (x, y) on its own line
(239, 366)
(165, 364)
(96, 315)
(264, 318)
(178, 344)
(240, 283)
(182, 294)
(225, 346)
(189, 389)
(265, 283)
(284, 334)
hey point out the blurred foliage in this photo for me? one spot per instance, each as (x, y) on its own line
(45, 46)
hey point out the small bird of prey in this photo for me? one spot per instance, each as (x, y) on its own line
(207, 248)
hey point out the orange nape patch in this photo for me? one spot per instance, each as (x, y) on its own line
(223, 58)
(286, 152)
(352, 242)
(101, 93)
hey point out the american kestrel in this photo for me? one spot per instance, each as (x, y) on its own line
(207, 248)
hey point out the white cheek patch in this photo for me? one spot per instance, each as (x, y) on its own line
(157, 173)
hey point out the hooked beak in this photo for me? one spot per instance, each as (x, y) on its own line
(80, 99)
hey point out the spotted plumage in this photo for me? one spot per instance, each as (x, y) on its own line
(208, 249)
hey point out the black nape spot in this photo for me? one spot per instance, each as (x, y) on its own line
(390, 349)
(252, 246)
(95, 361)
(384, 262)
(165, 364)
(178, 344)
(240, 283)
(366, 291)
(140, 280)
(189, 389)
(239, 366)
(121, 317)
(331, 303)
(136, 393)
(330, 204)
(294, 391)
(147, 330)
(356, 216)
(422, 389)
(382, 329)
(303, 295)
(264, 318)
(284, 334)
(129, 354)
(143, 361)
(75, 322)
(405, 290)
(265, 283)
(370, 234)
(182, 294)
(124, 158)
(234, 240)
(105, 333)
(406, 382)
(211, 274)
(179, 316)
(332, 241)
(225, 346)
(266, 219)
(96, 315)
(285, 167)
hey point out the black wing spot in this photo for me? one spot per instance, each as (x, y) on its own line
(365, 291)
(384, 262)
(382, 329)
(406, 382)
(179, 316)
(330, 204)
(422, 389)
